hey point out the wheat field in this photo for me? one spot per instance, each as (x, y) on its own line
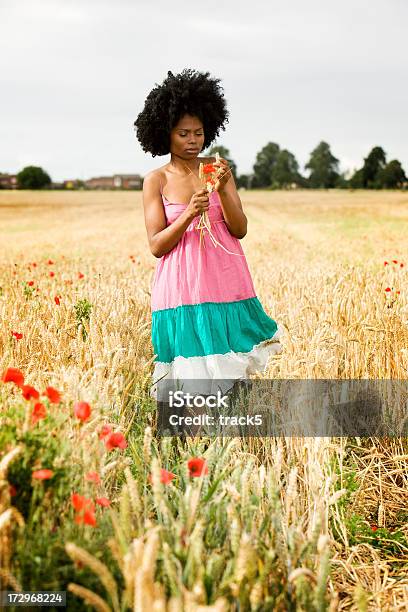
(294, 523)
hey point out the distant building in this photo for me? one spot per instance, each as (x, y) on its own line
(117, 181)
(128, 181)
(100, 182)
(8, 181)
(72, 184)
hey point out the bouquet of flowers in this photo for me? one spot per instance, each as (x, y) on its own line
(208, 175)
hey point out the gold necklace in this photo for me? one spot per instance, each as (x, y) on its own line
(189, 169)
(196, 175)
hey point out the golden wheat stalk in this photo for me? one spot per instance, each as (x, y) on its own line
(5, 517)
(7, 459)
(7, 578)
(89, 597)
(201, 225)
(80, 554)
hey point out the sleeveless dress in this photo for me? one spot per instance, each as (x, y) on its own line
(207, 321)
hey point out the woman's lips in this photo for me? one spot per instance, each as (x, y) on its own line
(192, 150)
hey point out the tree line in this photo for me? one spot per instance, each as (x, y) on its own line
(277, 168)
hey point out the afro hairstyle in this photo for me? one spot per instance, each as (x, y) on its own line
(190, 92)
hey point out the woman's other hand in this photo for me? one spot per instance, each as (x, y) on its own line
(223, 174)
(199, 203)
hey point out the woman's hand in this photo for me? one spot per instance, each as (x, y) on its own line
(199, 203)
(223, 174)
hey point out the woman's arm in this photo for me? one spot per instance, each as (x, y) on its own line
(162, 238)
(234, 216)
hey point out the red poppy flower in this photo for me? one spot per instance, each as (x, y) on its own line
(43, 474)
(88, 517)
(208, 168)
(57, 300)
(17, 335)
(401, 265)
(82, 410)
(373, 527)
(80, 275)
(30, 283)
(165, 476)
(12, 490)
(197, 466)
(105, 430)
(13, 375)
(80, 502)
(398, 292)
(85, 509)
(29, 392)
(39, 412)
(388, 289)
(34, 264)
(93, 477)
(50, 262)
(103, 501)
(77, 501)
(394, 261)
(53, 395)
(115, 440)
(385, 263)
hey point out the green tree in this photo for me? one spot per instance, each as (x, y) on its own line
(224, 152)
(243, 180)
(391, 176)
(323, 167)
(342, 182)
(286, 170)
(356, 181)
(33, 177)
(373, 164)
(264, 164)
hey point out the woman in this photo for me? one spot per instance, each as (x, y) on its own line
(208, 327)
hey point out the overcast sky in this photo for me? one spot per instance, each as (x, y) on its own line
(74, 75)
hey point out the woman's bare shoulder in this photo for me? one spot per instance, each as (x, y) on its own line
(156, 172)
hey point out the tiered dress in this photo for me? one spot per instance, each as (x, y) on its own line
(207, 321)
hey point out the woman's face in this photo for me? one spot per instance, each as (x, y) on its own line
(187, 137)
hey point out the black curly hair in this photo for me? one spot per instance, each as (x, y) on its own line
(190, 92)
